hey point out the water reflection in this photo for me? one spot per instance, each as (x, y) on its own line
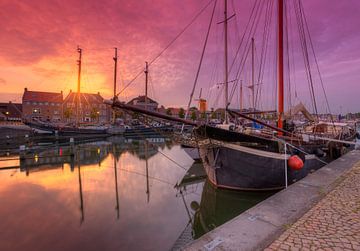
(216, 206)
(120, 193)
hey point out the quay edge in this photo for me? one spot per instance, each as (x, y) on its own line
(259, 226)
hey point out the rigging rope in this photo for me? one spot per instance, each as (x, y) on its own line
(168, 45)
(200, 63)
(303, 40)
(316, 62)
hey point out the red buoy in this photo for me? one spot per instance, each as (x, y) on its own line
(295, 163)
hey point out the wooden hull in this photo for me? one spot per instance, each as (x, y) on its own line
(242, 168)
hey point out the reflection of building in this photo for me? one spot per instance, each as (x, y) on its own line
(10, 111)
(91, 108)
(86, 154)
(45, 106)
(140, 101)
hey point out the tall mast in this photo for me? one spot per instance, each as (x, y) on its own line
(226, 61)
(253, 72)
(241, 95)
(146, 83)
(115, 70)
(79, 50)
(115, 74)
(280, 65)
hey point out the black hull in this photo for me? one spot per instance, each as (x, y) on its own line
(65, 130)
(249, 169)
(249, 162)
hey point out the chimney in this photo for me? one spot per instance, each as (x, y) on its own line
(25, 89)
(98, 93)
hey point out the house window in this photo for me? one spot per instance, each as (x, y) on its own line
(56, 112)
(36, 111)
(46, 103)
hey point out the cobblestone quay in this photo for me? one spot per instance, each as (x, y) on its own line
(333, 224)
(319, 212)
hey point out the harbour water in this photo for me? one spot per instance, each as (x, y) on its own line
(110, 195)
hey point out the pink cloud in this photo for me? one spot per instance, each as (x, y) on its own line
(41, 36)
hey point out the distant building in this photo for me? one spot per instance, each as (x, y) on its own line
(10, 111)
(44, 106)
(91, 108)
(202, 105)
(140, 101)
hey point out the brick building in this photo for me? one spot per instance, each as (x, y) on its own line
(10, 111)
(91, 108)
(44, 106)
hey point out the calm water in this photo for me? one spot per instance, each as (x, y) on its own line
(111, 195)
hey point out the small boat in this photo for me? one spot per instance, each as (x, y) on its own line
(65, 129)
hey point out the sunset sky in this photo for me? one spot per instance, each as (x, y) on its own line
(38, 41)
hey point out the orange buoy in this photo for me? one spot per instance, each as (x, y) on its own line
(295, 163)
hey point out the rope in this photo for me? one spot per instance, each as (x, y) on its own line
(200, 63)
(167, 46)
(316, 62)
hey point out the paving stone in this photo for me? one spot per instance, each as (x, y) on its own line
(333, 223)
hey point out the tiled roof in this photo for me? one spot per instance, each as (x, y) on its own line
(84, 98)
(42, 96)
(142, 100)
(14, 110)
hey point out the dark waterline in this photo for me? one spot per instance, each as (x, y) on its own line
(124, 194)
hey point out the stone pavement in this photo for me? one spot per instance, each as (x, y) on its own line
(333, 224)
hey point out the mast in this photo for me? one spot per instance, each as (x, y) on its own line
(115, 74)
(79, 50)
(280, 65)
(146, 83)
(226, 62)
(253, 73)
(241, 95)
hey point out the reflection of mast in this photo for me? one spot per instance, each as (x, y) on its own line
(147, 171)
(116, 188)
(81, 196)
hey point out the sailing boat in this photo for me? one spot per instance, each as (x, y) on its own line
(242, 161)
(258, 161)
(68, 129)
